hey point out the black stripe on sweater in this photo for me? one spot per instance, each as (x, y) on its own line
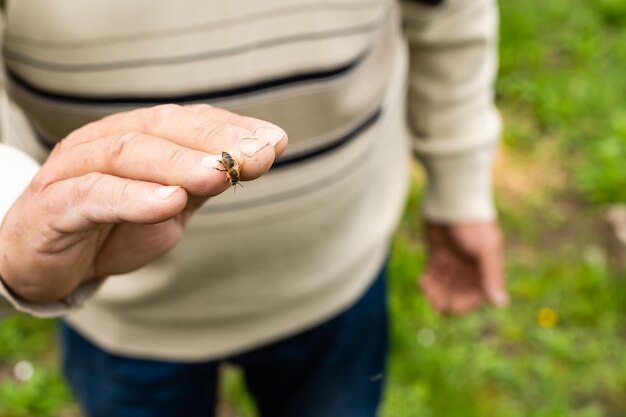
(428, 2)
(297, 78)
(323, 181)
(332, 145)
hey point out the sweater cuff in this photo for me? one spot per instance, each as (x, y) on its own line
(45, 310)
(459, 187)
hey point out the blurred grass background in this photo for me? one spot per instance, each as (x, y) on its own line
(559, 349)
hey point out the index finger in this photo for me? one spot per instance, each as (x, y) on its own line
(270, 132)
(213, 131)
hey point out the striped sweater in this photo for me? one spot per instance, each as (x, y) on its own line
(305, 240)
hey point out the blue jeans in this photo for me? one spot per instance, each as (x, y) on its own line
(333, 370)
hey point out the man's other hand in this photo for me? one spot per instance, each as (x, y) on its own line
(464, 266)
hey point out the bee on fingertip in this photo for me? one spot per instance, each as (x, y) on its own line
(231, 168)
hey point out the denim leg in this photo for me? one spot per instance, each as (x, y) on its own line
(333, 370)
(109, 385)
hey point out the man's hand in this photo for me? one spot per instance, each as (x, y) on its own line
(116, 194)
(464, 266)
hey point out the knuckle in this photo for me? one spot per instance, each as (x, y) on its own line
(201, 108)
(62, 146)
(209, 132)
(244, 122)
(86, 185)
(126, 191)
(158, 114)
(96, 187)
(42, 179)
(174, 156)
(119, 145)
(52, 169)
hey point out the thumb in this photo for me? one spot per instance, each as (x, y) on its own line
(483, 242)
(492, 274)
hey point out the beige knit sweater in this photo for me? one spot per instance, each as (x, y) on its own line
(303, 242)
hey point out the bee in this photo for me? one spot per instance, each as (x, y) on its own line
(231, 168)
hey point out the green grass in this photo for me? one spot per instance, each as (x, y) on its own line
(562, 70)
(27, 339)
(561, 92)
(504, 363)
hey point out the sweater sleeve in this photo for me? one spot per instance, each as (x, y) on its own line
(456, 127)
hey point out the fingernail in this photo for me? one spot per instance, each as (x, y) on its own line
(166, 192)
(211, 161)
(271, 135)
(250, 146)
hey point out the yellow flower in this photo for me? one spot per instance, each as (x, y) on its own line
(546, 317)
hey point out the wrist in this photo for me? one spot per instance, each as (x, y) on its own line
(459, 188)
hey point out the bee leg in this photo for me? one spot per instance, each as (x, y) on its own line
(223, 170)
